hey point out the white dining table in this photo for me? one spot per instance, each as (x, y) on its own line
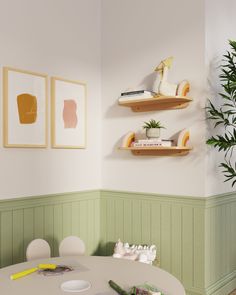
(97, 270)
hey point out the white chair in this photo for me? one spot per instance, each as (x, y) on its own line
(71, 246)
(37, 249)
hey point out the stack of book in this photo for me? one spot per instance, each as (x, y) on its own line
(136, 95)
(153, 143)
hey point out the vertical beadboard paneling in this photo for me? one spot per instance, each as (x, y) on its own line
(49, 217)
(111, 228)
(96, 227)
(66, 219)
(146, 222)
(48, 226)
(195, 237)
(28, 233)
(127, 220)
(83, 225)
(198, 247)
(90, 222)
(119, 219)
(220, 241)
(166, 237)
(228, 234)
(57, 230)
(176, 238)
(18, 233)
(103, 226)
(75, 219)
(6, 238)
(222, 250)
(187, 245)
(174, 225)
(39, 222)
(219, 225)
(156, 226)
(212, 244)
(233, 236)
(208, 249)
(137, 221)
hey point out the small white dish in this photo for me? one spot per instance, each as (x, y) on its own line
(75, 286)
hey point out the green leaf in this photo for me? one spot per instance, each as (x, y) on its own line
(152, 124)
(225, 114)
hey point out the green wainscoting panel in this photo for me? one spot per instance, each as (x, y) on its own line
(51, 218)
(17, 234)
(195, 237)
(175, 224)
(6, 238)
(220, 245)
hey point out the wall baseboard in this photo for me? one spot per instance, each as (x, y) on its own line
(223, 286)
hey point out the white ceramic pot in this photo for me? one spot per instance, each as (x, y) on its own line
(153, 132)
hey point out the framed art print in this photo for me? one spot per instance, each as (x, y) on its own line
(24, 108)
(68, 113)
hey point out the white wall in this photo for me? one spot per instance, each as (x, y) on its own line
(58, 38)
(63, 38)
(220, 27)
(136, 36)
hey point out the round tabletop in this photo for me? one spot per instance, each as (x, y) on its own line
(95, 269)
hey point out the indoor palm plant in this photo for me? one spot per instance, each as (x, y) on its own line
(225, 114)
(152, 128)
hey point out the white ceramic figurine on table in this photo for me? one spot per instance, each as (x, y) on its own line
(120, 251)
(140, 253)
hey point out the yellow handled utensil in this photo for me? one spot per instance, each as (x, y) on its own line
(32, 270)
(23, 273)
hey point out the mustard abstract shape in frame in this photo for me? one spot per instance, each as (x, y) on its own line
(27, 108)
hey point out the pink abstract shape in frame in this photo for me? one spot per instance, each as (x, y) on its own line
(69, 113)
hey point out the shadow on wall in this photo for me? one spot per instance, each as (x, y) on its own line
(214, 172)
(115, 111)
(195, 113)
(105, 249)
(117, 154)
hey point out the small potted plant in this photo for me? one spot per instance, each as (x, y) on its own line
(152, 128)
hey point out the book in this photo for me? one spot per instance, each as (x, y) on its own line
(153, 143)
(135, 97)
(136, 92)
(167, 143)
(156, 140)
(136, 144)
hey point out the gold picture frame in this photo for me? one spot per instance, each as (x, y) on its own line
(68, 114)
(25, 108)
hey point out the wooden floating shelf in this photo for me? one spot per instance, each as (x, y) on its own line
(157, 103)
(158, 151)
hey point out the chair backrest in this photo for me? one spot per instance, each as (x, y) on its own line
(71, 246)
(37, 249)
